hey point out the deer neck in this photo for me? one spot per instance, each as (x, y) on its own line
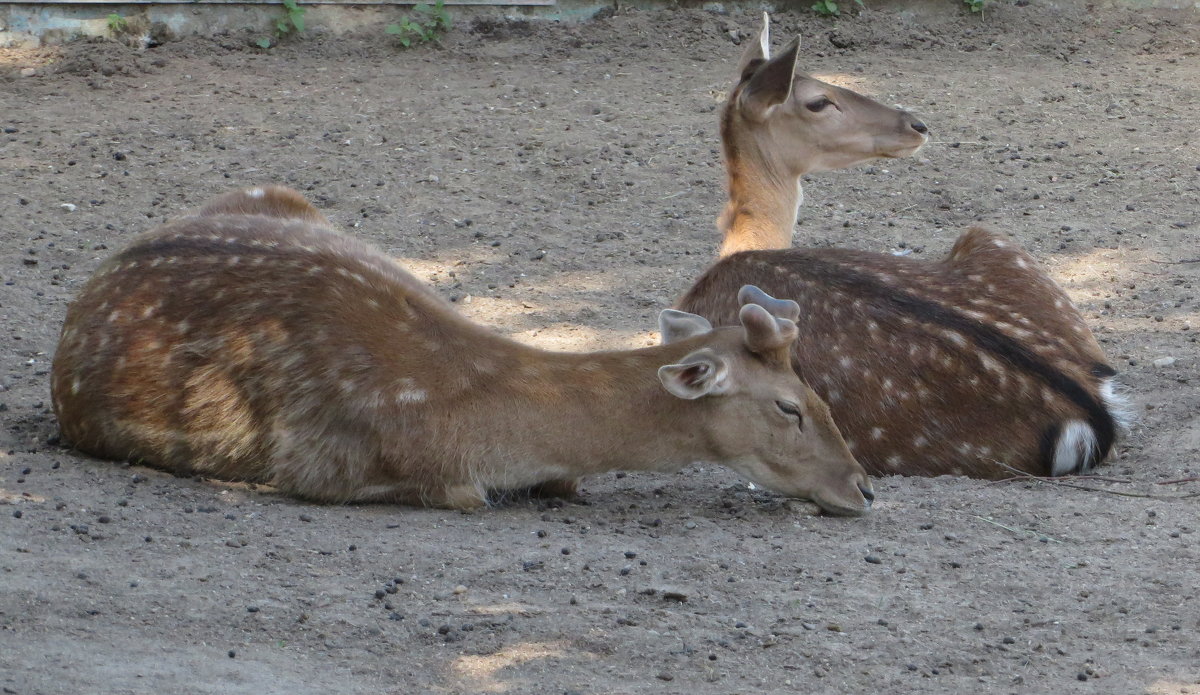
(572, 415)
(764, 198)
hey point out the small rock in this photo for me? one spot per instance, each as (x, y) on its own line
(232, 653)
(664, 676)
(874, 559)
(305, 517)
(1163, 362)
(17, 514)
(459, 590)
(28, 72)
(69, 207)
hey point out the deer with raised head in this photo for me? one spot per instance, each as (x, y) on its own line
(779, 124)
(251, 341)
(976, 365)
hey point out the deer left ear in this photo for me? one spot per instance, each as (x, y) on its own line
(771, 83)
(757, 52)
(702, 373)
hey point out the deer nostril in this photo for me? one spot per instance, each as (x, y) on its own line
(867, 494)
(920, 127)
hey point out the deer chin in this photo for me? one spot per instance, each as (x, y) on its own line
(902, 152)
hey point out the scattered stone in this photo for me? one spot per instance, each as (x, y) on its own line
(874, 559)
(460, 590)
(69, 207)
(305, 517)
(17, 514)
(232, 653)
(1163, 362)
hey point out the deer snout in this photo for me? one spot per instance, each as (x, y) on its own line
(919, 127)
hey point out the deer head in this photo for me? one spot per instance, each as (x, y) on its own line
(766, 423)
(779, 124)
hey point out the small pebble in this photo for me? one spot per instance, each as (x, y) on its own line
(251, 609)
(305, 517)
(17, 514)
(874, 559)
(459, 590)
(1164, 362)
(232, 653)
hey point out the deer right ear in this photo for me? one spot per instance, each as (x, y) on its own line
(702, 373)
(680, 325)
(771, 83)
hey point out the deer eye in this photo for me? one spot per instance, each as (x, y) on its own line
(818, 104)
(791, 410)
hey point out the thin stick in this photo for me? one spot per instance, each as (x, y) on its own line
(1017, 530)
(1185, 260)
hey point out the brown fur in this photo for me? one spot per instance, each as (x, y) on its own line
(968, 366)
(253, 342)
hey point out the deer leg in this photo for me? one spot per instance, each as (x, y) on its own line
(564, 488)
(465, 496)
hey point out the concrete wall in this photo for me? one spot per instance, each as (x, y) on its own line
(47, 23)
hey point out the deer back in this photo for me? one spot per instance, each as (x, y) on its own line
(971, 365)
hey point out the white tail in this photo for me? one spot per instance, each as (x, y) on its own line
(975, 365)
(779, 124)
(253, 342)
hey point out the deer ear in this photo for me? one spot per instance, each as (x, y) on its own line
(680, 325)
(756, 52)
(771, 83)
(765, 333)
(779, 308)
(702, 373)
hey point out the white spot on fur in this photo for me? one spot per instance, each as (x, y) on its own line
(920, 441)
(234, 260)
(1021, 263)
(1076, 449)
(894, 462)
(956, 338)
(75, 386)
(256, 192)
(999, 244)
(877, 433)
(114, 316)
(846, 362)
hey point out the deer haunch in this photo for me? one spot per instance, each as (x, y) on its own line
(973, 365)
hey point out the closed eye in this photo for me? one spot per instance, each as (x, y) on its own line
(818, 104)
(791, 410)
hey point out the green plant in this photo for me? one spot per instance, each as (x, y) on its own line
(429, 23)
(117, 24)
(826, 8)
(975, 5)
(290, 21)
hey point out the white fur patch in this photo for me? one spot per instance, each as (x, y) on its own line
(1117, 404)
(1076, 450)
(256, 192)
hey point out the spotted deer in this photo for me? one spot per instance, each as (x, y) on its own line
(977, 364)
(251, 341)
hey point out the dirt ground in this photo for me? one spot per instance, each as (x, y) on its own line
(560, 183)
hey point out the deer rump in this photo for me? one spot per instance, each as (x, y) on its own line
(974, 365)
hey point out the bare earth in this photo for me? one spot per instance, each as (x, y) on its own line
(560, 183)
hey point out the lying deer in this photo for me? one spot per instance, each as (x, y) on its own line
(973, 365)
(251, 341)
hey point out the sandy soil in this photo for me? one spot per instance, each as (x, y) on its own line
(560, 183)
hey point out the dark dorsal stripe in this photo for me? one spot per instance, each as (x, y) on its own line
(853, 282)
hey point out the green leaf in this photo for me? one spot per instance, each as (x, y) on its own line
(264, 42)
(298, 20)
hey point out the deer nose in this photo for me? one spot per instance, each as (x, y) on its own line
(867, 493)
(919, 127)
